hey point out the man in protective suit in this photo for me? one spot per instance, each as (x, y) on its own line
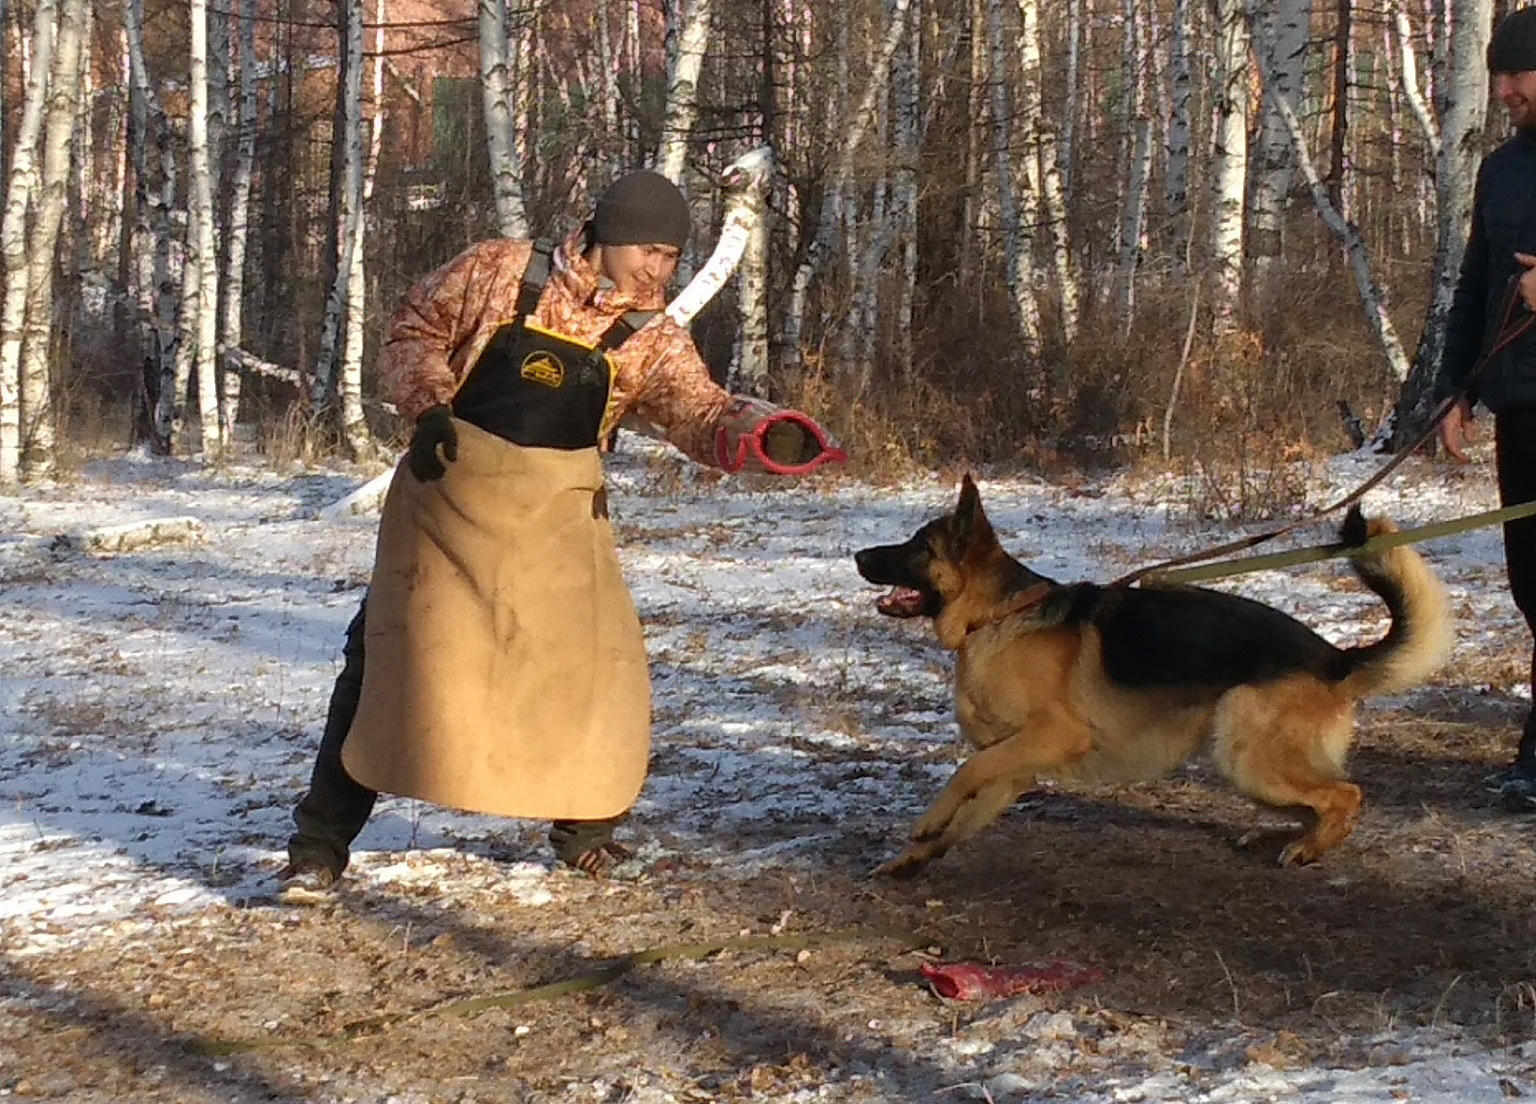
(506, 670)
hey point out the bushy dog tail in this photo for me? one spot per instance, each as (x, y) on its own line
(1420, 636)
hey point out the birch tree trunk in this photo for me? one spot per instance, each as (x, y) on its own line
(1132, 219)
(37, 403)
(1053, 208)
(682, 91)
(832, 207)
(202, 256)
(348, 208)
(20, 197)
(1372, 298)
(907, 77)
(1461, 103)
(1343, 63)
(232, 297)
(1073, 82)
(751, 377)
(1229, 172)
(1280, 29)
(154, 193)
(1176, 180)
(500, 133)
(1018, 234)
(608, 89)
(1403, 32)
(1130, 114)
(5, 55)
(354, 425)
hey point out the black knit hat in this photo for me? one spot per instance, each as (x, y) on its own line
(1513, 46)
(642, 208)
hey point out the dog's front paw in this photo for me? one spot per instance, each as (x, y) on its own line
(908, 863)
(1298, 853)
(930, 826)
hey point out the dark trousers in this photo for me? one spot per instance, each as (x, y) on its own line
(336, 806)
(1515, 450)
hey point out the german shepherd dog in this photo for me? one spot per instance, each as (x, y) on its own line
(1101, 684)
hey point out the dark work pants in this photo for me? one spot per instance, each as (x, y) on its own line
(335, 807)
(1515, 450)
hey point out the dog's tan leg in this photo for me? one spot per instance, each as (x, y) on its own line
(1284, 745)
(988, 782)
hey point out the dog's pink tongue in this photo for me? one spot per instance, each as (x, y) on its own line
(900, 602)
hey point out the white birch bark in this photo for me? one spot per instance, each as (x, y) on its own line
(1053, 207)
(1280, 29)
(1372, 297)
(354, 425)
(1460, 83)
(1408, 58)
(348, 207)
(1018, 234)
(1042, 203)
(232, 296)
(682, 90)
(202, 256)
(1130, 113)
(1073, 91)
(1230, 164)
(1132, 221)
(5, 56)
(154, 194)
(832, 208)
(87, 180)
(1176, 178)
(37, 408)
(20, 195)
(607, 83)
(908, 135)
(500, 135)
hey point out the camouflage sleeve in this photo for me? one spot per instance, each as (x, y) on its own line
(680, 397)
(437, 331)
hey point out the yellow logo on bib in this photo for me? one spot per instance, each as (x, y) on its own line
(543, 367)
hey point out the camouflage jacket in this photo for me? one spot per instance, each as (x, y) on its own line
(438, 332)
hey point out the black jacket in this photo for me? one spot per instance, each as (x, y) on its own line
(1503, 223)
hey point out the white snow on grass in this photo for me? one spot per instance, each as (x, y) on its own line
(160, 707)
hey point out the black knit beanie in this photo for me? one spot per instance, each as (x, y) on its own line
(642, 208)
(1513, 46)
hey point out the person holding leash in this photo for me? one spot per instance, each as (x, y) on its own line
(1501, 248)
(506, 670)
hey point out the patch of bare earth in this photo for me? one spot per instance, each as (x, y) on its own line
(1423, 918)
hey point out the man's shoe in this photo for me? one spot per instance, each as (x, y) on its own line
(1518, 794)
(306, 883)
(1518, 771)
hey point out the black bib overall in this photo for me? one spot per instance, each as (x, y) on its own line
(538, 388)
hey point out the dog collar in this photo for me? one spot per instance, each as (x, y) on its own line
(1031, 595)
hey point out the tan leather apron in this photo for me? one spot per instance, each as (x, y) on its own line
(506, 669)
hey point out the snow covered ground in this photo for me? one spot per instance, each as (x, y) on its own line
(159, 706)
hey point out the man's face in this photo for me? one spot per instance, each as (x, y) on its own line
(1517, 92)
(639, 269)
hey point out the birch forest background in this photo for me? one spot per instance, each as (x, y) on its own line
(1210, 234)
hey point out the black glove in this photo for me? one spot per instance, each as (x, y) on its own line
(433, 428)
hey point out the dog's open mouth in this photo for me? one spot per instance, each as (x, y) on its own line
(901, 601)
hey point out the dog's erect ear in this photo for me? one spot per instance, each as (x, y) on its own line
(970, 520)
